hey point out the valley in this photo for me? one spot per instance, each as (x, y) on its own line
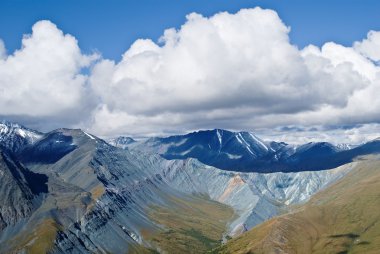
(77, 193)
(343, 218)
(192, 224)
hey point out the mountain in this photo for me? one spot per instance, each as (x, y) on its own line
(49, 148)
(223, 149)
(14, 136)
(343, 218)
(343, 156)
(19, 188)
(121, 141)
(98, 198)
(245, 152)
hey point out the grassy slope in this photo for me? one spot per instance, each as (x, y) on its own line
(191, 225)
(40, 240)
(344, 218)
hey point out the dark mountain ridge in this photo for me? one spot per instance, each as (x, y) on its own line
(244, 152)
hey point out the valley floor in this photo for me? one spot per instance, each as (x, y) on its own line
(193, 224)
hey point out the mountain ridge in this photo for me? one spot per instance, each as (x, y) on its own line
(103, 198)
(245, 152)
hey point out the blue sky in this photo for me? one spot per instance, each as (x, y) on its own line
(111, 26)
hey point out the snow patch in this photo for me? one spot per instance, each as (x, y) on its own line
(181, 142)
(234, 156)
(90, 136)
(242, 140)
(258, 141)
(187, 151)
(219, 137)
(21, 133)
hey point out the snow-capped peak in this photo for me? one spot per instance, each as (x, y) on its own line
(343, 146)
(121, 141)
(14, 136)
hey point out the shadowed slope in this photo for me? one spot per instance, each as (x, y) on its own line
(18, 189)
(245, 152)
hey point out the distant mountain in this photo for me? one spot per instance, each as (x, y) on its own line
(220, 148)
(121, 141)
(243, 151)
(14, 136)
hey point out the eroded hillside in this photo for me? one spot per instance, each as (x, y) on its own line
(343, 218)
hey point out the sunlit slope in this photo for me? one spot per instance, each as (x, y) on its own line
(344, 218)
(192, 224)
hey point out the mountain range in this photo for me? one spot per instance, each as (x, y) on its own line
(244, 152)
(68, 191)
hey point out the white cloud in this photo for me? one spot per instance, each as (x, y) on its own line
(226, 61)
(232, 71)
(370, 47)
(43, 78)
(236, 71)
(3, 52)
(355, 135)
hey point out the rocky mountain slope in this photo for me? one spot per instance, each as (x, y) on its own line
(19, 188)
(343, 218)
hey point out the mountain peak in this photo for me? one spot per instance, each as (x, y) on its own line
(121, 141)
(14, 136)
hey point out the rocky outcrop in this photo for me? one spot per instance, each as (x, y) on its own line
(18, 189)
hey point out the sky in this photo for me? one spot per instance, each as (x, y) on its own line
(110, 27)
(295, 71)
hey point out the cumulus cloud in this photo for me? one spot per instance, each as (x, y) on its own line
(236, 71)
(233, 71)
(3, 51)
(226, 61)
(338, 135)
(43, 78)
(370, 47)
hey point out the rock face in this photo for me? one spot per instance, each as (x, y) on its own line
(255, 197)
(96, 198)
(245, 152)
(18, 190)
(342, 218)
